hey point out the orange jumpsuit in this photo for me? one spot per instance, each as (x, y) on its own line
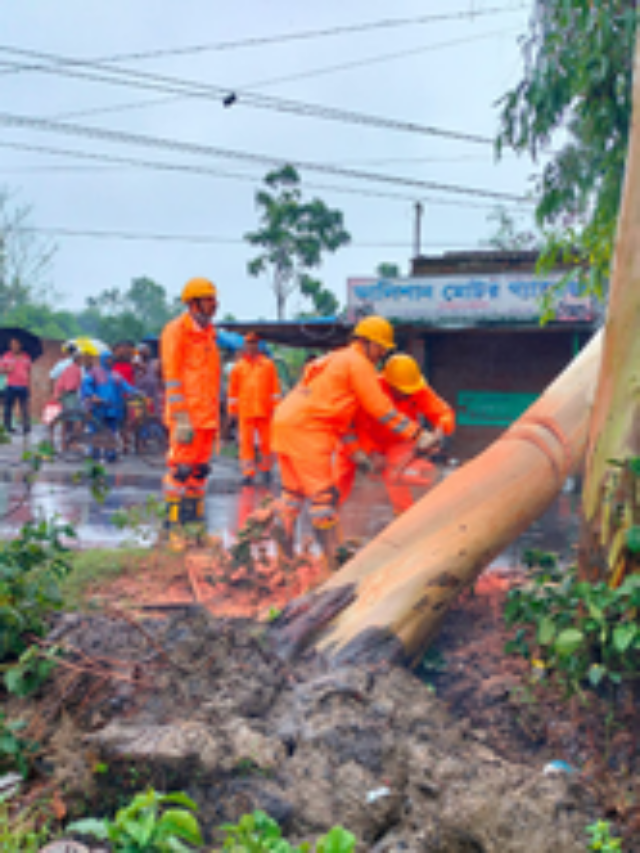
(191, 371)
(311, 421)
(401, 467)
(254, 390)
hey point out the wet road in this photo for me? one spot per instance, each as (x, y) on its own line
(131, 483)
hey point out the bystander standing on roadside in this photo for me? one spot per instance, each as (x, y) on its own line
(67, 387)
(16, 365)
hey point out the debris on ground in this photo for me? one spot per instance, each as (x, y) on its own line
(190, 702)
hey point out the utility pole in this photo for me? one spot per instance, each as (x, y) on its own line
(417, 230)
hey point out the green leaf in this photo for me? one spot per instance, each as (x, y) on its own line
(568, 641)
(180, 823)
(624, 635)
(180, 798)
(546, 631)
(596, 673)
(140, 827)
(632, 539)
(337, 840)
(91, 826)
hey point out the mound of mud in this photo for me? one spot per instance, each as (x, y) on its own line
(203, 705)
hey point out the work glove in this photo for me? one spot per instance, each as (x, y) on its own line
(363, 462)
(184, 428)
(427, 441)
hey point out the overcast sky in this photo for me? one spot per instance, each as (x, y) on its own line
(445, 73)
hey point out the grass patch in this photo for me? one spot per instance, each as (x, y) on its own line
(97, 566)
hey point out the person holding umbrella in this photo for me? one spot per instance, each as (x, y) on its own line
(16, 365)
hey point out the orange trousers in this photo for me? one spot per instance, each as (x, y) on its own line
(310, 479)
(188, 465)
(249, 429)
(402, 472)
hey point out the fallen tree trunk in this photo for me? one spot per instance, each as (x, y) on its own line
(387, 603)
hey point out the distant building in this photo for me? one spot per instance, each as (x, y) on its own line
(472, 319)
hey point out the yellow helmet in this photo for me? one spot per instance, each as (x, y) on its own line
(88, 349)
(198, 288)
(375, 329)
(402, 372)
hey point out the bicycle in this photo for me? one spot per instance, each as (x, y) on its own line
(76, 434)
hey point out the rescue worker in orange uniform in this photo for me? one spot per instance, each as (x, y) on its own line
(311, 421)
(403, 383)
(253, 391)
(191, 373)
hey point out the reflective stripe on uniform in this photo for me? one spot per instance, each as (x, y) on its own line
(391, 414)
(402, 425)
(175, 398)
(173, 383)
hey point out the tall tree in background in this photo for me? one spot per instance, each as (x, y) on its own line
(25, 258)
(293, 235)
(143, 309)
(388, 270)
(573, 108)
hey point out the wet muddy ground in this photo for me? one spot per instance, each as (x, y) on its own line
(131, 482)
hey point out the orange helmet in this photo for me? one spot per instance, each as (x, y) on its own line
(198, 288)
(375, 329)
(403, 373)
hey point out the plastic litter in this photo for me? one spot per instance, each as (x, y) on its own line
(9, 784)
(556, 768)
(377, 794)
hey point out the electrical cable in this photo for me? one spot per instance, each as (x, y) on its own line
(99, 72)
(282, 38)
(240, 176)
(163, 143)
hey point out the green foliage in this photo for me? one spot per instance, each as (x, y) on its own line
(585, 636)
(600, 837)
(143, 519)
(16, 752)
(31, 671)
(147, 825)
(293, 236)
(258, 833)
(143, 309)
(388, 270)
(19, 834)
(31, 568)
(575, 99)
(325, 303)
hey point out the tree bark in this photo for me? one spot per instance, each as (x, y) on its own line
(609, 498)
(387, 603)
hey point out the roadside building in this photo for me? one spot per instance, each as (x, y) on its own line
(472, 321)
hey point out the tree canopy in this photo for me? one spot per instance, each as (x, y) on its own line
(293, 236)
(573, 108)
(140, 310)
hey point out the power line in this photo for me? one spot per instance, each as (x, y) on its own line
(218, 173)
(164, 166)
(282, 38)
(122, 137)
(99, 72)
(101, 234)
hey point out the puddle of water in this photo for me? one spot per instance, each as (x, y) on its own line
(227, 506)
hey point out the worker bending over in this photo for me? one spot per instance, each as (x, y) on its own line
(405, 386)
(253, 391)
(191, 372)
(311, 421)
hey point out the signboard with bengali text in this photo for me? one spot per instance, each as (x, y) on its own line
(466, 300)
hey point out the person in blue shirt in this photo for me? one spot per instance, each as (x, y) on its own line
(103, 393)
